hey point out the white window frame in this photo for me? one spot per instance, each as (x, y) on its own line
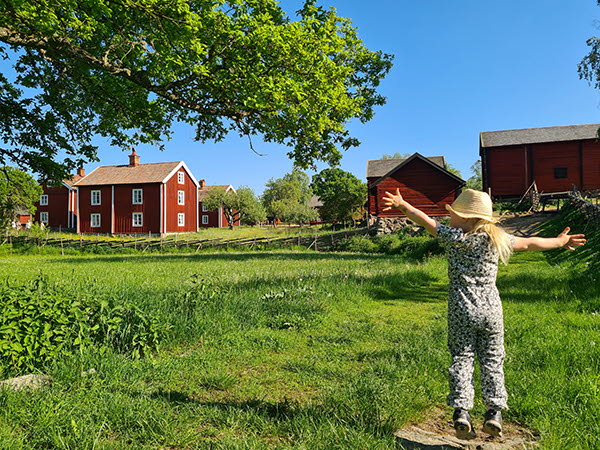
(204, 208)
(44, 217)
(135, 223)
(181, 197)
(98, 200)
(43, 199)
(204, 219)
(93, 222)
(137, 193)
(180, 219)
(181, 177)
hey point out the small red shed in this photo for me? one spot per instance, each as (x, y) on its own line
(424, 182)
(154, 198)
(556, 158)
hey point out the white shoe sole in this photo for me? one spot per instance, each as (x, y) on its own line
(492, 428)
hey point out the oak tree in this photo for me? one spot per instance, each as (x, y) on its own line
(128, 70)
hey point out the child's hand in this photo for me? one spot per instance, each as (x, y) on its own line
(393, 200)
(571, 241)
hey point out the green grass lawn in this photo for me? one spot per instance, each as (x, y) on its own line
(300, 349)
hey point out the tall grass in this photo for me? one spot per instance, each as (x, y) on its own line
(312, 350)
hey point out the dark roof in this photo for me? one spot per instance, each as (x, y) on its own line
(538, 135)
(377, 168)
(142, 173)
(421, 157)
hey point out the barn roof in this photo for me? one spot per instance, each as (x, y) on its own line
(202, 191)
(429, 161)
(126, 174)
(376, 168)
(538, 135)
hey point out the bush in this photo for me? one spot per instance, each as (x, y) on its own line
(417, 247)
(39, 323)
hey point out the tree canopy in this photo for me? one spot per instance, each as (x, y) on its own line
(287, 198)
(240, 204)
(475, 181)
(341, 193)
(18, 193)
(128, 70)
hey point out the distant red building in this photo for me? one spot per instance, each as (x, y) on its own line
(153, 198)
(57, 205)
(424, 182)
(208, 218)
(556, 158)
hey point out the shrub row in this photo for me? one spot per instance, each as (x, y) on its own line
(400, 243)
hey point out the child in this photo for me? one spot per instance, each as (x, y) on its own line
(474, 245)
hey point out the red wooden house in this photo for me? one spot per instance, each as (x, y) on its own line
(556, 158)
(138, 198)
(423, 182)
(57, 205)
(208, 218)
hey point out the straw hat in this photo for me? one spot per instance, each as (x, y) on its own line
(473, 204)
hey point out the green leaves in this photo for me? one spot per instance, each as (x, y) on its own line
(341, 193)
(39, 324)
(128, 71)
(18, 192)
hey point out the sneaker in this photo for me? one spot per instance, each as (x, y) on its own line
(492, 424)
(463, 424)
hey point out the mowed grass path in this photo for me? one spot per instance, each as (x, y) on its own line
(300, 349)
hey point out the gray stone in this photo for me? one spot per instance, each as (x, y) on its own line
(31, 381)
(415, 438)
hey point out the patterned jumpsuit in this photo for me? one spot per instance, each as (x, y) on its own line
(475, 322)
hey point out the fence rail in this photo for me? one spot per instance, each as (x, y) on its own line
(320, 242)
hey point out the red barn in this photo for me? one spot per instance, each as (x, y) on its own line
(57, 204)
(423, 182)
(138, 198)
(556, 158)
(208, 218)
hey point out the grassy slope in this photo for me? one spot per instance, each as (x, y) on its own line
(312, 350)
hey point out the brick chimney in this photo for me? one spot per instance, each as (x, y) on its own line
(81, 172)
(134, 158)
(202, 184)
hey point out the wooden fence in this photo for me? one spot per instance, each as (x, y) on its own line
(320, 242)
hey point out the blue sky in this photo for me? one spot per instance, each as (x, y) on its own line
(460, 68)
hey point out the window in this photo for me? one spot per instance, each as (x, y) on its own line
(43, 199)
(96, 197)
(204, 208)
(44, 217)
(180, 177)
(136, 196)
(95, 220)
(560, 172)
(205, 220)
(181, 197)
(137, 219)
(181, 219)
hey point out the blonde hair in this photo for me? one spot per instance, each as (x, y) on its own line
(498, 236)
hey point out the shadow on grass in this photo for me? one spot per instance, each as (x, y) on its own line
(225, 256)
(523, 287)
(415, 285)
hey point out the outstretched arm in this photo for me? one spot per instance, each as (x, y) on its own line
(564, 240)
(395, 201)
